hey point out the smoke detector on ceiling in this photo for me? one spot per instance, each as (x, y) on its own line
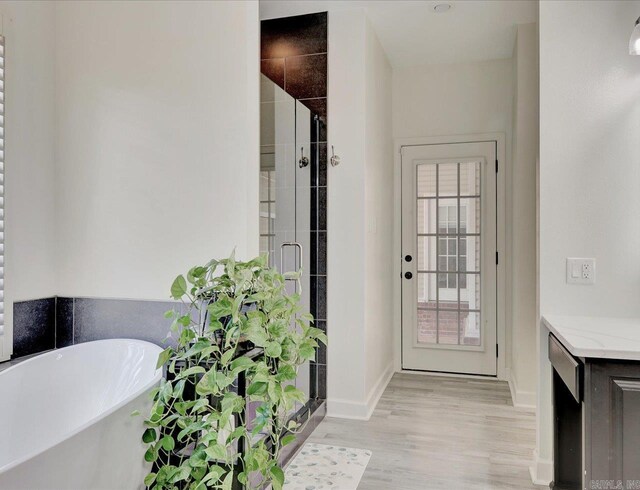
(442, 8)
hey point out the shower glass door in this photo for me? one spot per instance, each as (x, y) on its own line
(285, 194)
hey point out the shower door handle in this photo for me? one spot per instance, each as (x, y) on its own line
(298, 247)
(304, 161)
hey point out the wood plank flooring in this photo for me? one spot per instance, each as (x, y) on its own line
(440, 433)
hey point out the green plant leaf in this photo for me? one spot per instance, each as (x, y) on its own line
(168, 443)
(190, 372)
(293, 393)
(179, 287)
(149, 436)
(226, 357)
(307, 352)
(150, 456)
(149, 479)
(277, 478)
(240, 364)
(163, 357)
(308, 317)
(273, 349)
(257, 388)
(221, 308)
(288, 439)
(182, 473)
(217, 452)
(286, 373)
(214, 474)
(258, 337)
(227, 482)
(242, 478)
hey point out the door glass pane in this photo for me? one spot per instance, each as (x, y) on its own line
(447, 179)
(449, 256)
(470, 327)
(470, 215)
(427, 253)
(426, 216)
(264, 218)
(448, 291)
(427, 325)
(470, 179)
(447, 216)
(447, 327)
(426, 180)
(426, 290)
(469, 291)
(469, 256)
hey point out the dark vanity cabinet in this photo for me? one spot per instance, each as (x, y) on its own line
(596, 421)
(612, 423)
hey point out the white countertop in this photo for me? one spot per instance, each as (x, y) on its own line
(585, 336)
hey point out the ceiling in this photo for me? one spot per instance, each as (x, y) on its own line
(412, 34)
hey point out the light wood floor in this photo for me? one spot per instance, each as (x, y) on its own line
(440, 433)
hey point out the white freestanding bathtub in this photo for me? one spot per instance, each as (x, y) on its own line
(65, 417)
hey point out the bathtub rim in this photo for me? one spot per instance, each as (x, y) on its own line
(155, 380)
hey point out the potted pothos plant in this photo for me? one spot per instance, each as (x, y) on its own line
(240, 339)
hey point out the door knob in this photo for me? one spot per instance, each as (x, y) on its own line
(408, 258)
(408, 275)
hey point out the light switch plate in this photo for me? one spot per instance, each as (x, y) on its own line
(581, 271)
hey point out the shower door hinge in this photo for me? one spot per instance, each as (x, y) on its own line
(497, 258)
(496, 165)
(496, 350)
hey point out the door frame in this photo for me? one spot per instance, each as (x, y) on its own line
(502, 151)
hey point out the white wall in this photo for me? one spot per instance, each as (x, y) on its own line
(459, 99)
(28, 28)
(346, 210)
(157, 141)
(589, 166)
(132, 135)
(523, 377)
(453, 99)
(378, 193)
(359, 214)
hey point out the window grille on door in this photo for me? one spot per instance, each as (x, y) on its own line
(448, 245)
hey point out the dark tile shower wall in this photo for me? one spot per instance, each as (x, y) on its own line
(44, 324)
(85, 319)
(294, 56)
(34, 326)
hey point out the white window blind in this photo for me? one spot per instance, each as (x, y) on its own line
(1, 186)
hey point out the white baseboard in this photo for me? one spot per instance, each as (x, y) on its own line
(524, 400)
(347, 409)
(541, 470)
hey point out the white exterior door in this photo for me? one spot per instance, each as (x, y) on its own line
(449, 271)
